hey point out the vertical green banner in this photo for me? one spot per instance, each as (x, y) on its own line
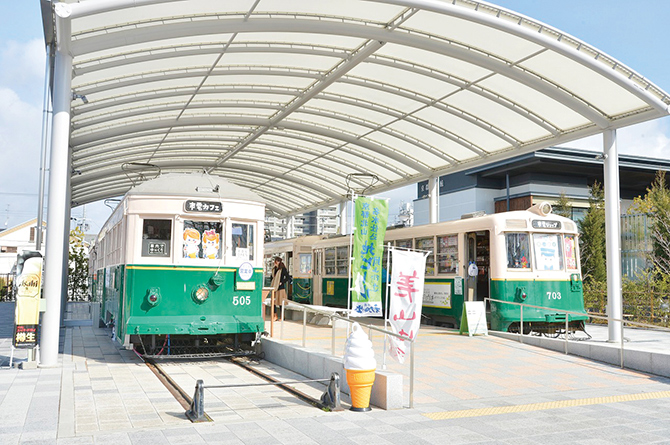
(370, 227)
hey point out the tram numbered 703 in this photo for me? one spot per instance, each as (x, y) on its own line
(524, 257)
(177, 267)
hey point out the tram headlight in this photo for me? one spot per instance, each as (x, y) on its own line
(200, 294)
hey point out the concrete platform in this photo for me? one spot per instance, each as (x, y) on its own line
(467, 390)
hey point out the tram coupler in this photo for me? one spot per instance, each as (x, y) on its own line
(331, 396)
(196, 412)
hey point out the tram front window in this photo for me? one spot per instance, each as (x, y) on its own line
(202, 239)
(243, 241)
(156, 236)
(518, 251)
(548, 251)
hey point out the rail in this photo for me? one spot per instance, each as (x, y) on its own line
(330, 400)
(567, 321)
(332, 314)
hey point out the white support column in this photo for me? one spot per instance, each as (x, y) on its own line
(343, 218)
(57, 204)
(613, 234)
(434, 199)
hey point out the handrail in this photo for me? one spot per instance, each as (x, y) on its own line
(567, 318)
(306, 308)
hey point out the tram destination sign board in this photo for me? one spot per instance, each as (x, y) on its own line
(193, 206)
(541, 224)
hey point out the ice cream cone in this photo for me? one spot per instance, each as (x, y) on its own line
(360, 387)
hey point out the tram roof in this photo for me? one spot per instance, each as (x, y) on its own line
(194, 185)
(289, 99)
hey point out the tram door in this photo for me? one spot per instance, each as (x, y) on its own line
(477, 267)
(317, 279)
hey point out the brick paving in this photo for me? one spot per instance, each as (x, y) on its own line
(102, 395)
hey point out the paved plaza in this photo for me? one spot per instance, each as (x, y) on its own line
(487, 390)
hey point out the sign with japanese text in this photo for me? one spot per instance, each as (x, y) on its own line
(406, 299)
(203, 206)
(27, 312)
(437, 295)
(370, 227)
(542, 224)
(473, 319)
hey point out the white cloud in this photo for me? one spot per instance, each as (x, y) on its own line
(649, 139)
(20, 136)
(23, 63)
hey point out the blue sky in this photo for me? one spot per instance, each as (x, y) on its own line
(634, 32)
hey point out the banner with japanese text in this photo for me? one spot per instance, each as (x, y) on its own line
(27, 310)
(406, 299)
(370, 227)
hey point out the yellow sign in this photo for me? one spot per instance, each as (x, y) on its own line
(330, 288)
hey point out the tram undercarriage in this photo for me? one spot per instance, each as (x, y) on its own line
(190, 346)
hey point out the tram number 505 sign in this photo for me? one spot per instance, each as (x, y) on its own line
(553, 295)
(241, 300)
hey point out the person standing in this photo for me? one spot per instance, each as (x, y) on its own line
(280, 278)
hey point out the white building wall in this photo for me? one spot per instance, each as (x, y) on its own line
(15, 238)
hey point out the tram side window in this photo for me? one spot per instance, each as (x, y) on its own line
(343, 260)
(548, 251)
(305, 264)
(570, 244)
(447, 254)
(202, 239)
(243, 241)
(156, 237)
(518, 251)
(427, 244)
(330, 262)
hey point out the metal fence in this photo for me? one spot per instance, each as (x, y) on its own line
(636, 244)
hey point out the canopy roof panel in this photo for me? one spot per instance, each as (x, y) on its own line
(289, 98)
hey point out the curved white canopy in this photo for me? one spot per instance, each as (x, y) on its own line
(288, 98)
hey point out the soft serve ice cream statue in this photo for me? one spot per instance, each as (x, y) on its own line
(360, 364)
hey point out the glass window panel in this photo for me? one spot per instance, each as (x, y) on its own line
(243, 241)
(305, 263)
(428, 245)
(330, 261)
(156, 237)
(570, 244)
(548, 252)
(447, 254)
(404, 243)
(343, 260)
(202, 239)
(518, 251)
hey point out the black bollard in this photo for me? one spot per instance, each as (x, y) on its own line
(331, 396)
(196, 413)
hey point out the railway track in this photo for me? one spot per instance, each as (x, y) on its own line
(185, 400)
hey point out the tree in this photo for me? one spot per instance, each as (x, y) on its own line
(77, 280)
(563, 206)
(656, 205)
(592, 239)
